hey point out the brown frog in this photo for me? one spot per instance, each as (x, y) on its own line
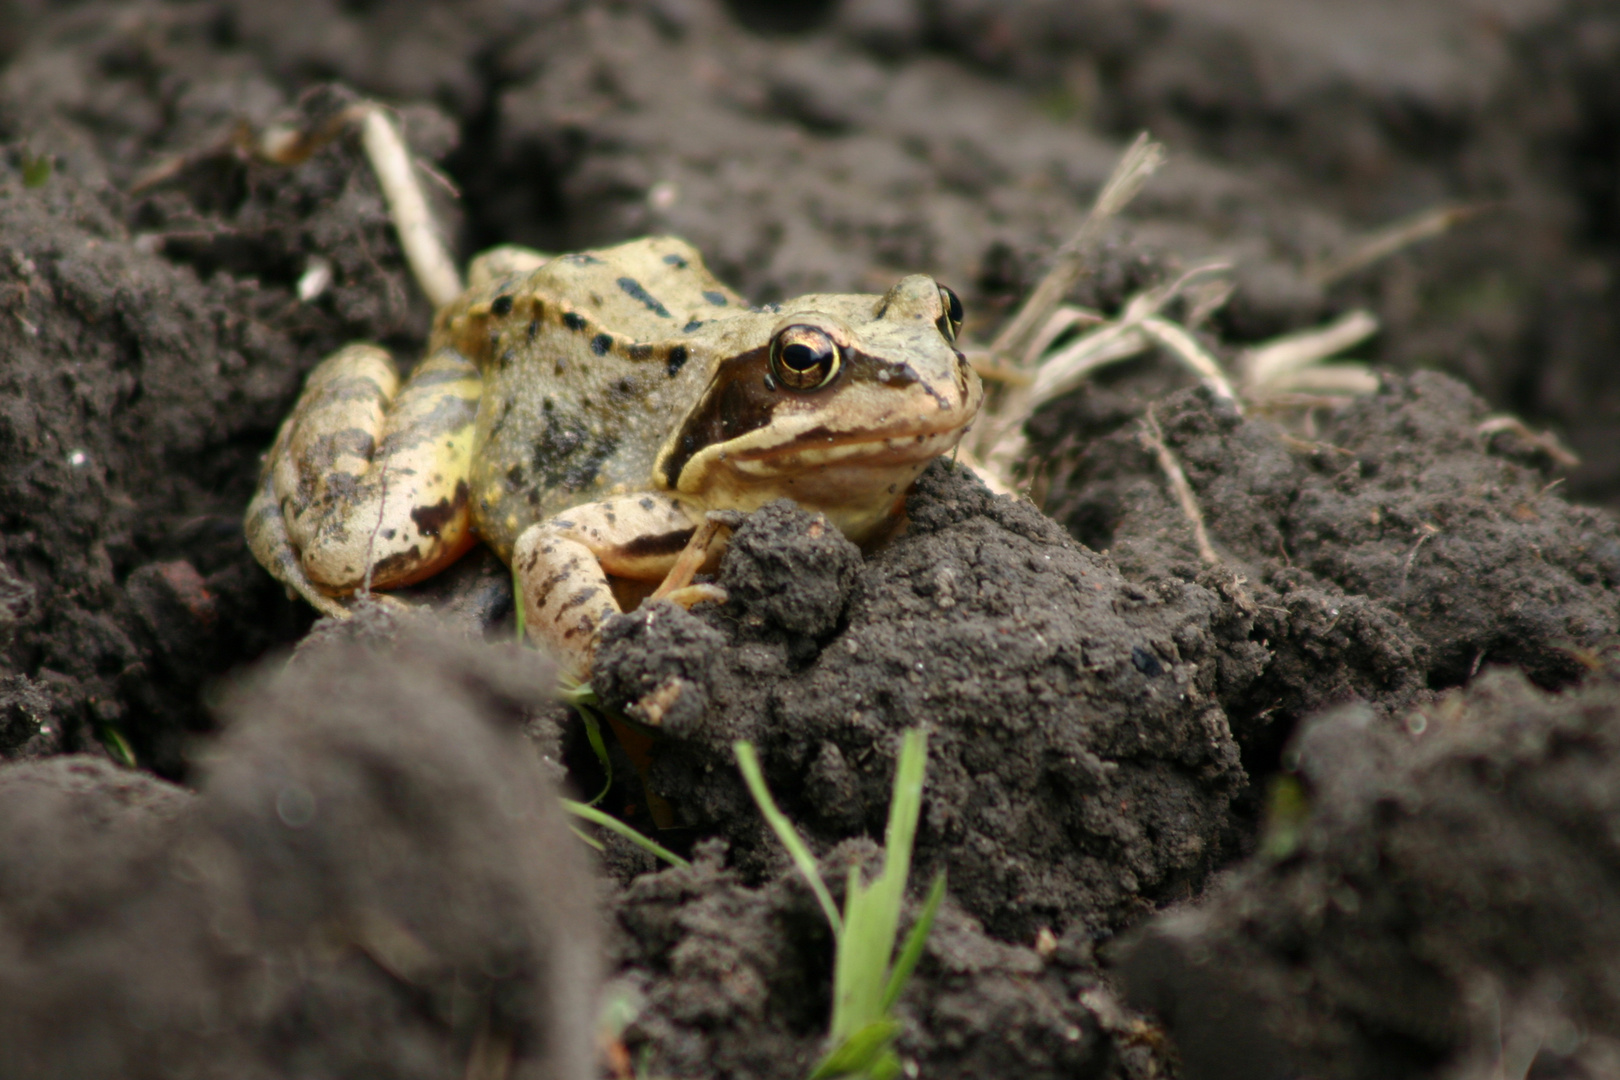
(588, 415)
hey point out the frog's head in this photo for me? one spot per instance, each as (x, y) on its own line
(835, 401)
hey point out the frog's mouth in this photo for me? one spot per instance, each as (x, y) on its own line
(819, 448)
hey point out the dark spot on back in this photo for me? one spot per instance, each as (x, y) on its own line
(534, 327)
(677, 360)
(883, 309)
(600, 344)
(676, 261)
(574, 320)
(715, 298)
(568, 454)
(632, 288)
(691, 326)
(1146, 662)
(501, 305)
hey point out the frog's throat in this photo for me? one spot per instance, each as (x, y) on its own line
(858, 481)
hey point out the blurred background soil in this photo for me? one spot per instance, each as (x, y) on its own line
(157, 317)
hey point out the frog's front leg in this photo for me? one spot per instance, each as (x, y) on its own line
(563, 565)
(366, 484)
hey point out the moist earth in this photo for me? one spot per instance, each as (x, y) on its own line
(1120, 723)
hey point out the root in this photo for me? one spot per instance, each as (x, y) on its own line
(1140, 162)
(1382, 243)
(1545, 441)
(1153, 439)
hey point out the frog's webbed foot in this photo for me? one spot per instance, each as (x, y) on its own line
(366, 486)
(563, 565)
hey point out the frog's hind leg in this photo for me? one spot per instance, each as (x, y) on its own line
(267, 538)
(366, 486)
(563, 564)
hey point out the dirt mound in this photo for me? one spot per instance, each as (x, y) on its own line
(372, 877)
(1397, 551)
(1080, 763)
(737, 983)
(1406, 922)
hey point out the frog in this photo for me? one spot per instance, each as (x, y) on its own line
(601, 420)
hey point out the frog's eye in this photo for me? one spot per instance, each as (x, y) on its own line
(805, 358)
(950, 315)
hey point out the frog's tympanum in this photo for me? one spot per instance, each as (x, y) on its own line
(593, 418)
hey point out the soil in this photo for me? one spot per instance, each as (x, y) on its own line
(1331, 803)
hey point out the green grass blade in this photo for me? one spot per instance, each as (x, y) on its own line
(911, 952)
(582, 697)
(576, 693)
(112, 739)
(587, 837)
(517, 607)
(593, 735)
(613, 824)
(862, 960)
(886, 1067)
(904, 810)
(872, 912)
(748, 765)
(860, 1053)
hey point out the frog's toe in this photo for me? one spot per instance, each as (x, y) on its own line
(326, 605)
(691, 595)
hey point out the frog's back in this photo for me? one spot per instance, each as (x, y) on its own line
(587, 364)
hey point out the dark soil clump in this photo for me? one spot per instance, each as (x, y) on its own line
(1080, 763)
(738, 984)
(1397, 551)
(373, 877)
(1407, 922)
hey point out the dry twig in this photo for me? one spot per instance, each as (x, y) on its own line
(1141, 161)
(1382, 243)
(425, 250)
(1153, 439)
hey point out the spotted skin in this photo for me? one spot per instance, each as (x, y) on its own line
(564, 563)
(588, 416)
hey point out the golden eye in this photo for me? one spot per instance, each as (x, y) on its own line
(805, 358)
(950, 315)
